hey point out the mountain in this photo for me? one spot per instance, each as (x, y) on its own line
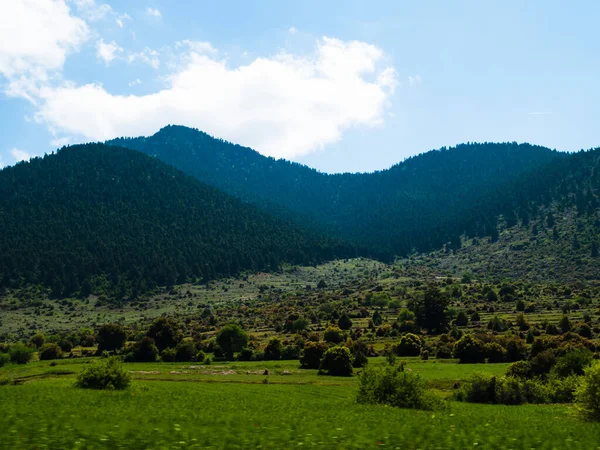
(102, 217)
(391, 211)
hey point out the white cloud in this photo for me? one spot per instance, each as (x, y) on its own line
(19, 155)
(91, 11)
(153, 12)
(120, 19)
(284, 106)
(414, 80)
(199, 47)
(107, 51)
(292, 30)
(35, 38)
(147, 56)
(135, 82)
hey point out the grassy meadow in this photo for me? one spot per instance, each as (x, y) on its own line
(234, 405)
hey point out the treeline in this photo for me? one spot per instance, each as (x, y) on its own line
(95, 216)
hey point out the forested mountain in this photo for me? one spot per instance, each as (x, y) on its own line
(392, 211)
(95, 215)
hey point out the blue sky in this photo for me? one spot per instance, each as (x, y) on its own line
(340, 86)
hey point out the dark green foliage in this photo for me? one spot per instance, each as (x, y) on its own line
(200, 356)
(50, 351)
(4, 359)
(20, 354)
(168, 355)
(564, 324)
(469, 349)
(337, 361)
(344, 322)
(394, 386)
(145, 350)
(587, 395)
(311, 355)
(273, 349)
(290, 352)
(38, 340)
(392, 211)
(377, 320)
(104, 374)
(495, 352)
(165, 333)
(117, 220)
(431, 309)
(409, 345)
(573, 362)
(333, 335)
(185, 352)
(462, 320)
(231, 338)
(110, 337)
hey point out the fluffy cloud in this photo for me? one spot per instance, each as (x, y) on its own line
(19, 155)
(35, 38)
(283, 106)
(147, 56)
(153, 12)
(107, 51)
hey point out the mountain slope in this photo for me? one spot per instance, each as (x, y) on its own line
(94, 215)
(391, 211)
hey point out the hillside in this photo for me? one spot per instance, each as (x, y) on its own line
(392, 211)
(101, 218)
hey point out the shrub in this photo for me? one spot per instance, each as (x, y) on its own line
(311, 355)
(337, 361)
(200, 356)
(107, 374)
(406, 315)
(185, 352)
(333, 335)
(231, 338)
(273, 349)
(4, 359)
(146, 350)
(443, 352)
(20, 353)
(344, 322)
(394, 386)
(587, 395)
(410, 345)
(168, 355)
(495, 352)
(290, 352)
(110, 337)
(469, 349)
(245, 354)
(564, 324)
(480, 388)
(38, 340)
(165, 333)
(461, 319)
(572, 363)
(50, 351)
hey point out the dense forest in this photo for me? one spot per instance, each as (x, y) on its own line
(392, 211)
(99, 217)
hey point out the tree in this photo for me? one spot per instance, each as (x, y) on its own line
(410, 345)
(20, 353)
(333, 335)
(469, 349)
(146, 350)
(38, 340)
(431, 309)
(377, 319)
(461, 319)
(337, 361)
(273, 349)
(344, 322)
(165, 333)
(185, 352)
(231, 338)
(111, 337)
(311, 355)
(50, 351)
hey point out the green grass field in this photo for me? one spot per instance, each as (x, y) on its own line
(210, 407)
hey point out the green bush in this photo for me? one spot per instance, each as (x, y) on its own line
(168, 355)
(20, 353)
(311, 355)
(231, 339)
(480, 388)
(469, 349)
(110, 337)
(410, 345)
(4, 359)
(185, 352)
(337, 361)
(290, 352)
(394, 386)
(572, 363)
(145, 350)
(50, 351)
(587, 395)
(105, 374)
(273, 349)
(495, 352)
(333, 335)
(200, 356)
